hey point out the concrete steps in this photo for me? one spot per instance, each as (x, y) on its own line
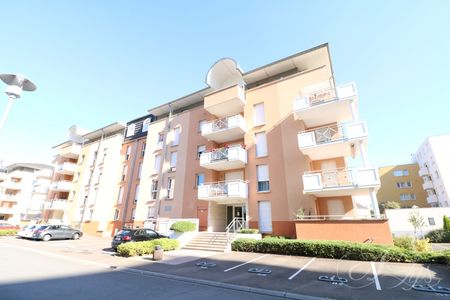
(210, 241)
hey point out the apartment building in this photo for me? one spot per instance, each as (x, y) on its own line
(264, 147)
(133, 151)
(434, 162)
(23, 190)
(402, 184)
(93, 190)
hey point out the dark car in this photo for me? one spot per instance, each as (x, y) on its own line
(134, 235)
(55, 232)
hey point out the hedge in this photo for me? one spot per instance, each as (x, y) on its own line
(438, 236)
(338, 250)
(249, 231)
(183, 226)
(5, 232)
(147, 247)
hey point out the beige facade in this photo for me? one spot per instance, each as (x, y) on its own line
(402, 184)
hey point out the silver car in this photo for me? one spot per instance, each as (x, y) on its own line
(55, 232)
(26, 231)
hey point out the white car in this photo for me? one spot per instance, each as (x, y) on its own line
(26, 232)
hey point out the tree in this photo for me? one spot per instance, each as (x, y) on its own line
(417, 221)
(447, 227)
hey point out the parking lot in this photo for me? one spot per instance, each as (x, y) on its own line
(337, 279)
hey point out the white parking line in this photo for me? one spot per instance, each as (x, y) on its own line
(375, 276)
(304, 267)
(259, 257)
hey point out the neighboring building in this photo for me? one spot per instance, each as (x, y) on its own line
(262, 146)
(432, 217)
(402, 184)
(23, 190)
(433, 158)
(93, 192)
(133, 151)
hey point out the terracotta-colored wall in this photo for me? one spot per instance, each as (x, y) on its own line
(346, 230)
(323, 208)
(279, 228)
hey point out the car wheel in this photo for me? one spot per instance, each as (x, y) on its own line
(46, 238)
(75, 236)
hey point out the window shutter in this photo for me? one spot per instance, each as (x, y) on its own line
(261, 144)
(262, 172)
(258, 116)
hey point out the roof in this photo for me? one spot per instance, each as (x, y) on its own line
(109, 129)
(28, 165)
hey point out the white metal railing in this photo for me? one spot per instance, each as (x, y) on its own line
(9, 197)
(66, 167)
(335, 177)
(235, 152)
(325, 95)
(326, 134)
(223, 124)
(228, 188)
(236, 225)
(334, 217)
(56, 204)
(61, 185)
(6, 210)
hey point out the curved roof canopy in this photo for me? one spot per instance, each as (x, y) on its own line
(225, 72)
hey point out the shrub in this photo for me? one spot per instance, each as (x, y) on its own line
(404, 242)
(7, 232)
(446, 228)
(183, 226)
(438, 236)
(422, 245)
(146, 247)
(249, 231)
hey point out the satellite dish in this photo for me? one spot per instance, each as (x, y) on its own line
(18, 80)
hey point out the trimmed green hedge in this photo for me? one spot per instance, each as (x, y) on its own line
(249, 231)
(5, 232)
(404, 242)
(183, 226)
(438, 236)
(338, 250)
(147, 247)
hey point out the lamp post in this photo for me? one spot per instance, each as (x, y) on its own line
(16, 84)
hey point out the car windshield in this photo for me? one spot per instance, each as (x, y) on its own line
(124, 232)
(29, 227)
(42, 227)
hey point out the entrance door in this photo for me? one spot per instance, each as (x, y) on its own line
(265, 216)
(235, 211)
(335, 207)
(202, 215)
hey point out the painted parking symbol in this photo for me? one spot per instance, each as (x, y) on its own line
(205, 264)
(333, 279)
(440, 290)
(260, 271)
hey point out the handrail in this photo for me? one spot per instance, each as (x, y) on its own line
(225, 182)
(327, 134)
(333, 217)
(237, 224)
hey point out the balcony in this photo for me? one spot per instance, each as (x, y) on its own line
(9, 198)
(225, 129)
(234, 157)
(341, 182)
(428, 185)
(226, 102)
(224, 192)
(432, 199)
(61, 186)
(9, 185)
(40, 190)
(55, 205)
(6, 211)
(66, 168)
(45, 173)
(332, 141)
(424, 172)
(72, 151)
(331, 105)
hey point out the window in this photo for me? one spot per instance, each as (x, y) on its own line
(404, 185)
(176, 136)
(261, 144)
(258, 114)
(120, 195)
(116, 214)
(263, 178)
(124, 172)
(145, 125)
(154, 190)
(130, 130)
(431, 221)
(398, 173)
(157, 165)
(160, 137)
(407, 197)
(200, 179)
(167, 208)
(151, 212)
(136, 193)
(173, 161)
(139, 171)
(170, 188)
(127, 155)
(144, 145)
(200, 125)
(200, 150)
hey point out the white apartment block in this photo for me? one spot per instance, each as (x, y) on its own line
(433, 157)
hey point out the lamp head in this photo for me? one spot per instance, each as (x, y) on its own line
(16, 84)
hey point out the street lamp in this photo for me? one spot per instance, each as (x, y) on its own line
(16, 84)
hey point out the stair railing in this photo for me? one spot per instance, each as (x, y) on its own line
(236, 225)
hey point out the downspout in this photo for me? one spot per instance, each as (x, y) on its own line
(130, 181)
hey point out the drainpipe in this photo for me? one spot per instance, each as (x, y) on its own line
(130, 181)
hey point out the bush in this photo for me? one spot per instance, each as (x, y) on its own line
(338, 250)
(404, 242)
(447, 226)
(183, 226)
(422, 245)
(438, 236)
(147, 247)
(7, 232)
(249, 231)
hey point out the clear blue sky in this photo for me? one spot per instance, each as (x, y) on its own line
(97, 62)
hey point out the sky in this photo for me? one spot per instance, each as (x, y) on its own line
(98, 62)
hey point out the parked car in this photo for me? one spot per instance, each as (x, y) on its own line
(5, 225)
(26, 231)
(134, 235)
(55, 232)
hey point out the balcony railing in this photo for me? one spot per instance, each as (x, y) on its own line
(72, 151)
(432, 199)
(224, 190)
(56, 205)
(61, 185)
(40, 190)
(225, 158)
(66, 168)
(9, 185)
(424, 171)
(326, 95)
(225, 129)
(9, 197)
(46, 173)
(428, 185)
(339, 179)
(6, 210)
